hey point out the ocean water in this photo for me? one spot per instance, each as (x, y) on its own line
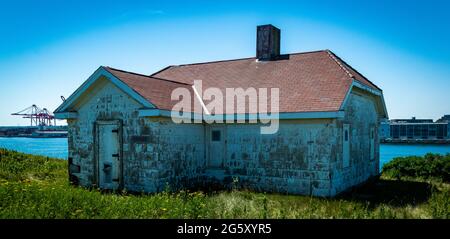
(390, 151)
(51, 147)
(57, 148)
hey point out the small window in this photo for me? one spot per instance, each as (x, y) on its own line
(215, 135)
(372, 143)
(346, 146)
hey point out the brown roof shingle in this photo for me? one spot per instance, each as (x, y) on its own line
(157, 91)
(308, 82)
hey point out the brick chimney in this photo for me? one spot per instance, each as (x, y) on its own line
(267, 42)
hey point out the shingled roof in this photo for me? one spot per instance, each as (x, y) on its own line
(308, 82)
(156, 91)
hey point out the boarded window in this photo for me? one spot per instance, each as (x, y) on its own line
(372, 143)
(215, 135)
(346, 146)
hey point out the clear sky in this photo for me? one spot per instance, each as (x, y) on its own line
(48, 48)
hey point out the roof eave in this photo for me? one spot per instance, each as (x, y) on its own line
(265, 116)
(368, 89)
(102, 71)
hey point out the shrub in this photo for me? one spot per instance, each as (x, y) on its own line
(430, 166)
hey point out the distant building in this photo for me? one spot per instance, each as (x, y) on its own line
(416, 129)
(443, 119)
(385, 129)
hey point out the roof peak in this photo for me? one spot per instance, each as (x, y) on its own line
(142, 75)
(339, 62)
(124, 71)
(237, 59)
(347, 68)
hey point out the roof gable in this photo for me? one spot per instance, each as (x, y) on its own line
(157, 91)
(97, 75)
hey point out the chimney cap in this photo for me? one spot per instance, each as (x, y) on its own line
(266, 25)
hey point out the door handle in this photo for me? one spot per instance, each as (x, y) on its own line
(115, 155)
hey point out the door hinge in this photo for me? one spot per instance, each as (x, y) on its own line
(115, 155)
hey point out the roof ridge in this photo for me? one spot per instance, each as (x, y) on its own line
(124, 71)
(162, 79)
(349, 66)
(150, 77)
(237, 59)
(163, 69)
(307, 52)
(212, 62)
(333, 56)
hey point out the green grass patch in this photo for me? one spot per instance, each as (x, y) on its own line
(38, 187)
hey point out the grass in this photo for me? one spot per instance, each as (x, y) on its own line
(38, 187)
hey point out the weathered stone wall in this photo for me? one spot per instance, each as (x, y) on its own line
(295, 160)
(156, 152)
(304, 157)
(361, 115)
(106, 103)
(164, 154)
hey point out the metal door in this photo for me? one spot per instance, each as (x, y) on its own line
(217, 147)
(109, 166)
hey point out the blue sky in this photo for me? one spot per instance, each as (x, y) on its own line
(48, 48)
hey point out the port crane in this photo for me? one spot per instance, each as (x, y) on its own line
(37, 116)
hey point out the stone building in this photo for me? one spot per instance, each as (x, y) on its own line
(121, 134)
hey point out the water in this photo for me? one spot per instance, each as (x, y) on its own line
(390, 151)
(57, 148)
(51, 147)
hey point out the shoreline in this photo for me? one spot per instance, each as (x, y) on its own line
(416, 142)
(33, 137)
